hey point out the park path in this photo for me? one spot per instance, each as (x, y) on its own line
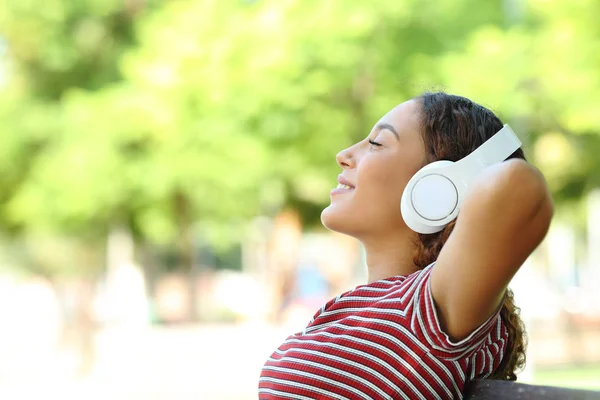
(212, 362)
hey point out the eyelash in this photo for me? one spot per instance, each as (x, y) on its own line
(374, 143)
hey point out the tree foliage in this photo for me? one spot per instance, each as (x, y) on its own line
(161, 114)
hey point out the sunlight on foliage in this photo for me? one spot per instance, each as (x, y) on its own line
(165, 114)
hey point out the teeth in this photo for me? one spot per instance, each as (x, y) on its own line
(341, 186)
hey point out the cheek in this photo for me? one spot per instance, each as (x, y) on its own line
(382, 180)
(376, 201)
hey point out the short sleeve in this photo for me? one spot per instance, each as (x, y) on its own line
(489, 337)
(489, 356)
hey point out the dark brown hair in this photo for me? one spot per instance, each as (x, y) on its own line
(452, 127)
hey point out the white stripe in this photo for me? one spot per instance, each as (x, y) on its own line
(413, 286)
(404, 348)
(396, 300)
(461, 374)
(359, 354)
(384, 350)
(391, 324)
(340, 360)
(317, 315)
(360, 298)
(392, 311)
(483, 361)
(375, 310)
(303, 386)
(490, 363)
(446, 370)
(499, 328)
(316, 377)
(501, 352)
(414, 340)
(402, 287)
(351, 351)
(368, 356)
(459, 369)
(473, 366)
(426, 329)
(336, 371)
(372, 289)
(496, 348)
(284, 394)
(410, 335)
(383, 297)
(383, 281)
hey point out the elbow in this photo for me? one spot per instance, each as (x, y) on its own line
(544, 212)
(515, 188)
(529, 190)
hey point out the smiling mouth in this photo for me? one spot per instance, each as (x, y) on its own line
(345, 187)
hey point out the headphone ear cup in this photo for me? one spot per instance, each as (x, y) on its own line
(430, 197)
(434, 197)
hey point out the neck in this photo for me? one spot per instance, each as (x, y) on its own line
(390, 256)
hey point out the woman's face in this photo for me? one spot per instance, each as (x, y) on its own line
(377, 174)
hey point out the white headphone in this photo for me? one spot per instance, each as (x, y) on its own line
(433, 196)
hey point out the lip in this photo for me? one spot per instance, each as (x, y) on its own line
(344, 181)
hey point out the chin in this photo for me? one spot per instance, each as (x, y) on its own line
(330, 220)
(326, 217)
(336, 221)
(360, 224)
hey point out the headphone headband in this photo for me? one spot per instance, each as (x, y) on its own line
(494, 150)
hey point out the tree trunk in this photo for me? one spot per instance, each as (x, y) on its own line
(186, 249)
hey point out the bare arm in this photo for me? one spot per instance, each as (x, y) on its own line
(504, 217)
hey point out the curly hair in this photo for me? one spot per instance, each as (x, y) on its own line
(452, 127)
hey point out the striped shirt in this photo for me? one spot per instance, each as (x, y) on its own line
(381, 341)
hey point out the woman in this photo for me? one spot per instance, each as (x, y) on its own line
(436, 311)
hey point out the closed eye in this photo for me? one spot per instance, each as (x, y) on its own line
(374, 143)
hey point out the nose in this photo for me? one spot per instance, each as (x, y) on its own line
(345, 158)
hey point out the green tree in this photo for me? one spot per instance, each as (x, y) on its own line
(541, 73)
(177, 112)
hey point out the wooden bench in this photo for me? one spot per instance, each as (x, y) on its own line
(504, 390)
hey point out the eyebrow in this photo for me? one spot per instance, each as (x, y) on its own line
(389, 127)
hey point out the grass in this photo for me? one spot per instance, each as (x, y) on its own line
(587, 377)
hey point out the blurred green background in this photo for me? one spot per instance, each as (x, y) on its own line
(192, 141)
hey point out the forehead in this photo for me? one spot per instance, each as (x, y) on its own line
(405, 118)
